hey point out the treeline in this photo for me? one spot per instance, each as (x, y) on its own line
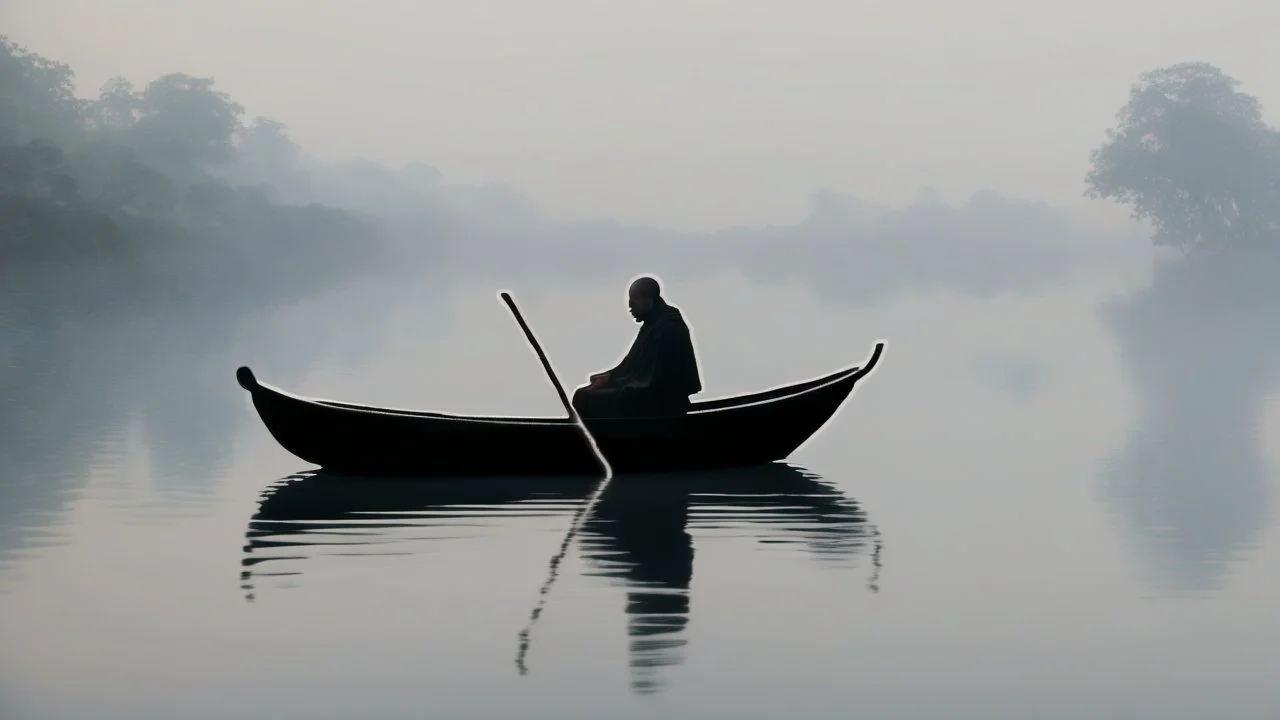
(148, 170)
(137, 172)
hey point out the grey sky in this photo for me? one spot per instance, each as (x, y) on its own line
(691, 113)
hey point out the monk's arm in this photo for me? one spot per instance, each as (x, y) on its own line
(604, 375)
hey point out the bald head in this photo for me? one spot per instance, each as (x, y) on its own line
(645, 287)
(643, 294)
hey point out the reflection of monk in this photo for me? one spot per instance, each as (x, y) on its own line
(639, 533)
(659, 372)
(640, 537)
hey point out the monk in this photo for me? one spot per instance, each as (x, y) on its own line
(659, 372)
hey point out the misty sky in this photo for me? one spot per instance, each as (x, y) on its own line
(694, 114)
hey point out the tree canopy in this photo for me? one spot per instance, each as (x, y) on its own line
(37, 95)
(162, 160)
(1193, 155)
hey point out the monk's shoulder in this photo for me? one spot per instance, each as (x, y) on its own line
(675, 327)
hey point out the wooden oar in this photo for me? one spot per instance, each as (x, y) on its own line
(581, 514)
(546, 364)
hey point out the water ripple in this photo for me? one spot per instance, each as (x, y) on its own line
(639, 535)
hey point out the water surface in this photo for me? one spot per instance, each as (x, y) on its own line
(1051, 504)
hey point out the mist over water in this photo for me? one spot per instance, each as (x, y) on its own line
(975, 495)
(1053, 498)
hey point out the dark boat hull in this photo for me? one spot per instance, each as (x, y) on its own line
(732, 432)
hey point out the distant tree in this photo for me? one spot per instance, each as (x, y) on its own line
(37, 169)
(268, 141)
(37, 95)
(1193, 155)
(184, 124)
(142, 190)
(114, 178)
(20, 166)
(117, 108)
(266, 154)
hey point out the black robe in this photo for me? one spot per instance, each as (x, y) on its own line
(656, 377)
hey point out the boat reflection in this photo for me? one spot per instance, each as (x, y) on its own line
(640, 532)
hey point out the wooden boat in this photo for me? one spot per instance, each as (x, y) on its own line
(730, 432)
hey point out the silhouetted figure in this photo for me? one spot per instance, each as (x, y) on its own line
(659, 372)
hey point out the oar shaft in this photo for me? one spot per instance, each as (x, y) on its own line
(546, 364)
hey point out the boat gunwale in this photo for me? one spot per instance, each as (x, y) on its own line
(809, 386)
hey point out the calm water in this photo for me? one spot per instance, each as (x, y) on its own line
(1042, 505)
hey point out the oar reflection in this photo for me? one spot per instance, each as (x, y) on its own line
(639, 533)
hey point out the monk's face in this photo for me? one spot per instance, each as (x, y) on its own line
(638, 304)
